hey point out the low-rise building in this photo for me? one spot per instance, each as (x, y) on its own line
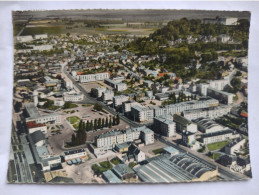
(75, 154)
(123, 172)
(33, 126)
(206, 125)
(110, 177)
(218, 136)
(49, 163)
(38, 138)
(73, 97)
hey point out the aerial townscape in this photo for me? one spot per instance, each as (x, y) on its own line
(129, 96)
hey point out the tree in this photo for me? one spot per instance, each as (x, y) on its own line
(118, 119)
(98, 107)
(103, 123)
(113, 121)
(95, 124)
(236, 83)
(99, 124)
(110, 122)
(17, 106)
(106, 122)
(73, 141)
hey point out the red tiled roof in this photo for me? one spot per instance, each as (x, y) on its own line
(244, 114)
(33, 124)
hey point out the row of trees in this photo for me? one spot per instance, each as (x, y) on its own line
(80, 136)
(181, 98)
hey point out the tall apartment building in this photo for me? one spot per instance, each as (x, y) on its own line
(97, 92)
(118, 100)
(107, 95)
(93, 77)
(183, 124)
(141, 113)
(164, 125)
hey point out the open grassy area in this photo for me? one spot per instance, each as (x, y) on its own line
(115, 161)
(132, 164)
(157, 151)
(98, 170)
(87, 105)
(42, 30)
(74, 121)
(217, 145)
(214, 156)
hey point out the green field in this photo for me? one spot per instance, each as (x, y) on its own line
(115, 161)
(217, 145)
(214, 156)
(74, 121)
(42, 30)
(157, 151)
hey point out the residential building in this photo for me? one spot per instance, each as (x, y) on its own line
(183, 124)
(148, 83)
(126, 106)
(218, 84)
(107, 95)
(218, 136)
(93, 77)
(73, 97)
(188, 138)
(141, 113)
(147, 136)
(212, 112)
(118, 100)
(164, 125)
(136, 153)
(97, 92)
(222, 96)
(233, 147)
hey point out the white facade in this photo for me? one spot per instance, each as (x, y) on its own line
(121, 87)
(97, 92)
(165, 126)
(118, 100)
(77, 97)
(211, 113)
(74, 154)
(43, 129)
(107, 95)
(235, 147)
(93, 77)
(218, 84)
(23, 39)
(59, 103)
(142, 114)
(42, 36)
(222, 96)
(202, 88)
(126, 106)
